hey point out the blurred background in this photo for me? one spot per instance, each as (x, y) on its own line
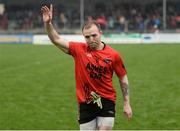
(142, 16)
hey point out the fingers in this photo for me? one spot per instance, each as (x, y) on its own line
(47, 13)
(128, 114)
(45, 9)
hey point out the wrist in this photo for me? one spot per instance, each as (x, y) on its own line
(48, 23)
(126, 103)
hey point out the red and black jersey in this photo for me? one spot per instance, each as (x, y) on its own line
(94, 70)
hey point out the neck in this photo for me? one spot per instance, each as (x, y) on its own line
(100, 46)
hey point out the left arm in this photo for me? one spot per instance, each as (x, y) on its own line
(123, 80)
(125, 92)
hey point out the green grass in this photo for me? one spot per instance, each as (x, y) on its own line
(37, 87)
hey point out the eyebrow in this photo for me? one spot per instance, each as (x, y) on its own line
(93, 35)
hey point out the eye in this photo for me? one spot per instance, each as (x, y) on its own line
(94, 35)
(87, 37)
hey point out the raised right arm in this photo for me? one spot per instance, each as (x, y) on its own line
(52, 33)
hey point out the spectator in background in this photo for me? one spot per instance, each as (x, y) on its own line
(178, 20)
(121, 22)
(114, 16)
(156, 23)
(4, 22)
(63, 20)
(101, 20)
(172, 22)
(89, 18)
(111, 23)
(139, 23)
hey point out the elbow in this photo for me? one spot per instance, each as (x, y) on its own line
(124, 79)
(54, 42)
(54, 39)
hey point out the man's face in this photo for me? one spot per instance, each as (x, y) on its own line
(92, 36)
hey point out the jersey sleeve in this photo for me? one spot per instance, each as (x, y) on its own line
(118, 66)
(72, 48)
(76, 48)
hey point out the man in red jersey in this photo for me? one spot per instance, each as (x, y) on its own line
(95, 63)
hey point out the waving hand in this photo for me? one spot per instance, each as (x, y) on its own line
(47, 13)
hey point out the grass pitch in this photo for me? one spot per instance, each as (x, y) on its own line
(37, 88)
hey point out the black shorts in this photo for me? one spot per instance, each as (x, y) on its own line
(90, 111)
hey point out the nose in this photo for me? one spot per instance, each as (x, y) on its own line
(91, 38)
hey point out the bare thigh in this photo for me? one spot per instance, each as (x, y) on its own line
(92, 125)
(105, 123)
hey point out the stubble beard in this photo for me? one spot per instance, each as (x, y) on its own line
(93, 45)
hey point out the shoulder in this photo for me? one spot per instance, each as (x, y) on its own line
(75, 47)
(116, 55)
(111, 50)
(77, 44)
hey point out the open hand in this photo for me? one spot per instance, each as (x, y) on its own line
(128, 111)
(47, 13)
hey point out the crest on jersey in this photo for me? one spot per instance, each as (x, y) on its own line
(106, 60)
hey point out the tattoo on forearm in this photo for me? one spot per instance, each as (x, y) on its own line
(125, 89)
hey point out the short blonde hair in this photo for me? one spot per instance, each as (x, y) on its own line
(88, 25)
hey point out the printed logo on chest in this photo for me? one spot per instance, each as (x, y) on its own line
(96, 71)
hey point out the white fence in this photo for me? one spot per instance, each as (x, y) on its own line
(119, 38)
(107, 38)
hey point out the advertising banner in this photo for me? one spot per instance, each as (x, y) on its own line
(16, 39)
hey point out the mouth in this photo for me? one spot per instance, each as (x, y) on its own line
(92, 44)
